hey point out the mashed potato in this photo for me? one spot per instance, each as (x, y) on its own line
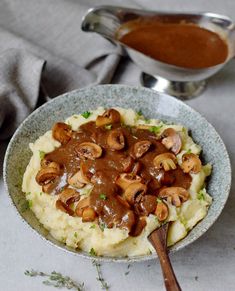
(115, 241)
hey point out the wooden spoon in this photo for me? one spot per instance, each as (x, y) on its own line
(158, 239)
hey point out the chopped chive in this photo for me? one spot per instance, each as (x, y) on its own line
(92, 226)
(86, 114)
(42, 154)
(75, 234)
(103, 196)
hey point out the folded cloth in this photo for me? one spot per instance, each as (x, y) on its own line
(41, 42)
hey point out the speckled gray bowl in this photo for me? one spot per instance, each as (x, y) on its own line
(152, 104)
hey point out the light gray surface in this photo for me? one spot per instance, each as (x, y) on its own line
(211, 259)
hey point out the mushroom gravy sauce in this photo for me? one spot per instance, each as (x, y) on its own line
(181, 44)
(132, 169)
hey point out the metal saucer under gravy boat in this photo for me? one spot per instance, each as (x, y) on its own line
(180, 82)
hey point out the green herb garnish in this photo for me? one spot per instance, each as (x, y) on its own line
(42, 154)
(155, 129)
(57, 280)
(102, 226)
(92, 252)
(159, 200)
(92, 226)
(86, 114)
(104, 284)
(201, 195)
(75, 234)
(103, 196)
(108, 126)
(140, 113)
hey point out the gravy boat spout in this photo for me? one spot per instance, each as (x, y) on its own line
(177, 81)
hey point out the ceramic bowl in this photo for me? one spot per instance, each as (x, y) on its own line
(152, 104)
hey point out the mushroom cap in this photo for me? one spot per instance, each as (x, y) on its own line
(62, 132)
(133, 191)
(88, 150)
(69, 196)
(88, 214)
(161, 211)
(75, 180)
(172, 140)
(48, 174)
(167, 161)
(174, 195)
(82, 204)
(140, 148)
(191, 163)
(108, 117)
(116, 140)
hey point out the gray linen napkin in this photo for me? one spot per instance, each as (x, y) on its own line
(41, 41)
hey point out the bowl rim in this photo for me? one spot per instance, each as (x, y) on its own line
(123, 259)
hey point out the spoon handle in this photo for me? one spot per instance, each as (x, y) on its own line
(158, 240)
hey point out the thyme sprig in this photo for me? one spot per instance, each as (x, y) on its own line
(57, 280)
(104, 284)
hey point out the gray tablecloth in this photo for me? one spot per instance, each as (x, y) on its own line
(207, 264)
(41, 42)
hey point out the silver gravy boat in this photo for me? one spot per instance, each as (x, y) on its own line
(177, 81)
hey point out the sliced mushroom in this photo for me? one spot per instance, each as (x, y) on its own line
(63, 207)
(161, 211)
(133, 191)
(88, 150)
(172, 140)
(48, 188)
(82, 204)
(109, 117)
(45, 163)
(140, 148)
(62, 132)
(75, 180)
(69, 196)
(48, 174)
(191, 163)
(116, 140)
(125, 180)
(88, 214)
(174, 195)
(167, 161)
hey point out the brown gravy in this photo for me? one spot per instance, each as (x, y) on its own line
(105, 170)
(181, 44)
